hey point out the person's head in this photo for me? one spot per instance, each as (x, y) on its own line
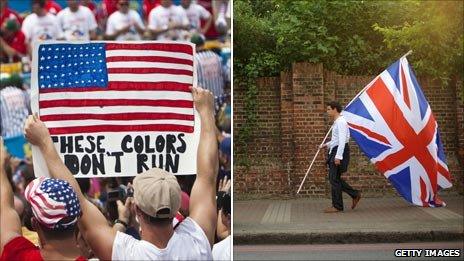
(186, 3)
(225, 210)
(123, 6)
(224, 152)
(333, 109)
(55, 209)
(73, 5)
(166, 3)
(198, 41)
(38, 7)
(157, 197)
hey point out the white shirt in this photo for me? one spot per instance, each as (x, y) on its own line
(221, 250)
(194, 13)
(340, 136)
(188, 242)
(118, 21)
(37, 28)
(77, 25)
(160, 17)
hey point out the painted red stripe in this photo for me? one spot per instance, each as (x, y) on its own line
(156, 59)
(48, 205)
(121, 128)
(115, 102)
(150, 70)
(43, 213)
(127, 86)
(370, 133)
(166, 47)
(118, 116)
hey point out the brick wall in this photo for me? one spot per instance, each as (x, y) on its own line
(292, 123)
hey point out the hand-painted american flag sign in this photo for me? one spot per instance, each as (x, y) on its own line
(115, 89)
(393, 124)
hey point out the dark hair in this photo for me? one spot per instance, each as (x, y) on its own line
(62, 233)
(224, 201)
(156, 221)
(335, 105)
(41, 3)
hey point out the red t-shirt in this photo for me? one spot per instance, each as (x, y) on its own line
(7, 13)
(17, 42)
(19, 248)
(211, 33)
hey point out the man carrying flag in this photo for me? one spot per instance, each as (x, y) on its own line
(394, 126)
(338, 159)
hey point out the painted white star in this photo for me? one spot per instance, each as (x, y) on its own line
(48, 67)
(41, 67)
(42, 58)
(48, 57)
(55, 57)
(55, 66)
(41, 77)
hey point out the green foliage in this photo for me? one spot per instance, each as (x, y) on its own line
(435, 35)
(349, 37)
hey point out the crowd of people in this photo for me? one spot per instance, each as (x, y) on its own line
(153, 216)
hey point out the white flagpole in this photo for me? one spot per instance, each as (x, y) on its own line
(357, 95)
(312, 162)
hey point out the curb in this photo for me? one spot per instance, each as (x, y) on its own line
(346, 237)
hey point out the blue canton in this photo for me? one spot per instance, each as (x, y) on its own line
(72, 66)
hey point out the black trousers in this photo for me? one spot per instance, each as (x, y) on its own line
(337, 183)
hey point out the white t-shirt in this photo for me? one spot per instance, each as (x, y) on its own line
(77, 25)
(188, 242)
(196, 12)
(160, 17)
(37, 28)
(118, 21)
(340, 136)
(221, 250)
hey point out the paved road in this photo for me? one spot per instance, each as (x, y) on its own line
(341, 251)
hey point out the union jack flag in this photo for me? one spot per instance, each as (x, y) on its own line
(393, 124)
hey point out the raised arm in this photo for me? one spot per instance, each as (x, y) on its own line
(10, 225)
(203, 195)
(92, 223)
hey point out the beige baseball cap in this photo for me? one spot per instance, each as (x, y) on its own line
(155, 190)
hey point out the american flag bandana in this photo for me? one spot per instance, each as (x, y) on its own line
(53, 200)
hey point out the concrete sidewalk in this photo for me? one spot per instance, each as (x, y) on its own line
(389, 219)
